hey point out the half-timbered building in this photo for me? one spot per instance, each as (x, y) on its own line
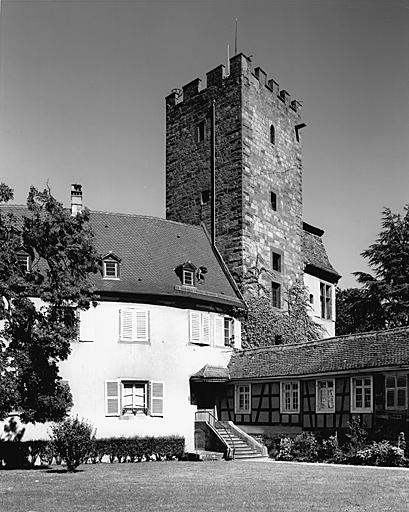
(317, 386)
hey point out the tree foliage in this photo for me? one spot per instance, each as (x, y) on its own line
(265, 325)
(357, 311)
(388, 256)
(38, 307)
(383, 300)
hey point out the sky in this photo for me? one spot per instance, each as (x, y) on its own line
(83, 82)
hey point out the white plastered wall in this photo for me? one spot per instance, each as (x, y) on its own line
(313, 286)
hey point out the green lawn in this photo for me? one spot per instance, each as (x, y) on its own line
(206, 486)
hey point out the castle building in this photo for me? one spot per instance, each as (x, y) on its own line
(257, 185)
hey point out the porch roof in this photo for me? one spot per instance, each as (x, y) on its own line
(211, 374)
(363, 351)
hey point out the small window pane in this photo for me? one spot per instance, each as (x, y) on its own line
(390, 382)
(401, 381)
(401, 397)
(390, 398)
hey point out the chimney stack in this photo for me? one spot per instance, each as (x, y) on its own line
(76, 199)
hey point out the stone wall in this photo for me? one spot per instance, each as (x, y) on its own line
(248, 168)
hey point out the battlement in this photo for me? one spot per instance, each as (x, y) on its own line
(240, 66)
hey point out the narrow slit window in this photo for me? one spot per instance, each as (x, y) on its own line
(273, 201)
(276, 295)
(205, 197)
(277, 261)
(272, 134)
(201, 132)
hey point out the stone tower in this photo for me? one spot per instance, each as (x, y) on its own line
(258, 183)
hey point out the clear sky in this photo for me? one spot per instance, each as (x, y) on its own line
(82, 87)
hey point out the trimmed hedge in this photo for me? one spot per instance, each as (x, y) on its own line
(23, 454)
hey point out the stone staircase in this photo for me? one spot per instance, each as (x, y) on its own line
(242, 447)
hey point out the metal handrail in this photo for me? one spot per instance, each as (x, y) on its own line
(213, 424)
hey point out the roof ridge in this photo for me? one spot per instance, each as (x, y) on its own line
(121, 214)
(325, 340)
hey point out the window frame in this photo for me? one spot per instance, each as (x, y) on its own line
(396, 389)
(318, 407)
(201, 131)
(247, 394)
(153, 401)
(205, 197)
(23, 257)
(137, 409)
(228, 327)
(354, 408)
(326, 301)
(134, 323)
(277, 256)
(274, 287)
(203, 329)
(105, 274)
(292, 409)
(185, 273)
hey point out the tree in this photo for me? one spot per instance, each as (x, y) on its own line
(265, 325)
(388, 256)
(38, 303)
(357, 311)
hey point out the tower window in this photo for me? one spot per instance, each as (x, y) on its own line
(276, 295)
(326, 301)
(273, 200)
(272, 134)
(205, 197)
(201, 131)
(277, 261)
(311, 298)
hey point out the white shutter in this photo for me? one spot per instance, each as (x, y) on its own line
(88, 324)
(142, 325)
(126, 324)
(219, 331)
(112, 397)
(205, 328)
(194, 326)
(156, 396)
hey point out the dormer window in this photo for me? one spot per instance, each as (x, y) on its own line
(187, 273)
(110, 266)
(24, 262)
(188, 278)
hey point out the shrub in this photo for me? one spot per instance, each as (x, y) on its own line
(285, 451)
(330, 450)
(305, 447)
(72, 440)
(356, 435)
(381, 454)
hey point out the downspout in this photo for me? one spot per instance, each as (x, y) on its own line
(213, 172)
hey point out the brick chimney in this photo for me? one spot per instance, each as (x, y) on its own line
(76, 199)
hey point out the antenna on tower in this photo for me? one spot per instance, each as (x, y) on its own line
(235, 38)
(228, 61)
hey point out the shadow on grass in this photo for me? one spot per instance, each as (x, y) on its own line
(64, 471)
(30, 468)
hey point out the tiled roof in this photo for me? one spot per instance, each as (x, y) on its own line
(211, 374)
(150, 249)
(315, 255)
(343, 353)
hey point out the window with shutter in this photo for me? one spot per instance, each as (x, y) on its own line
(205, 329)
(219, 331)
(195, 327)
(134, 325)
(156, 395)
(112, 398)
